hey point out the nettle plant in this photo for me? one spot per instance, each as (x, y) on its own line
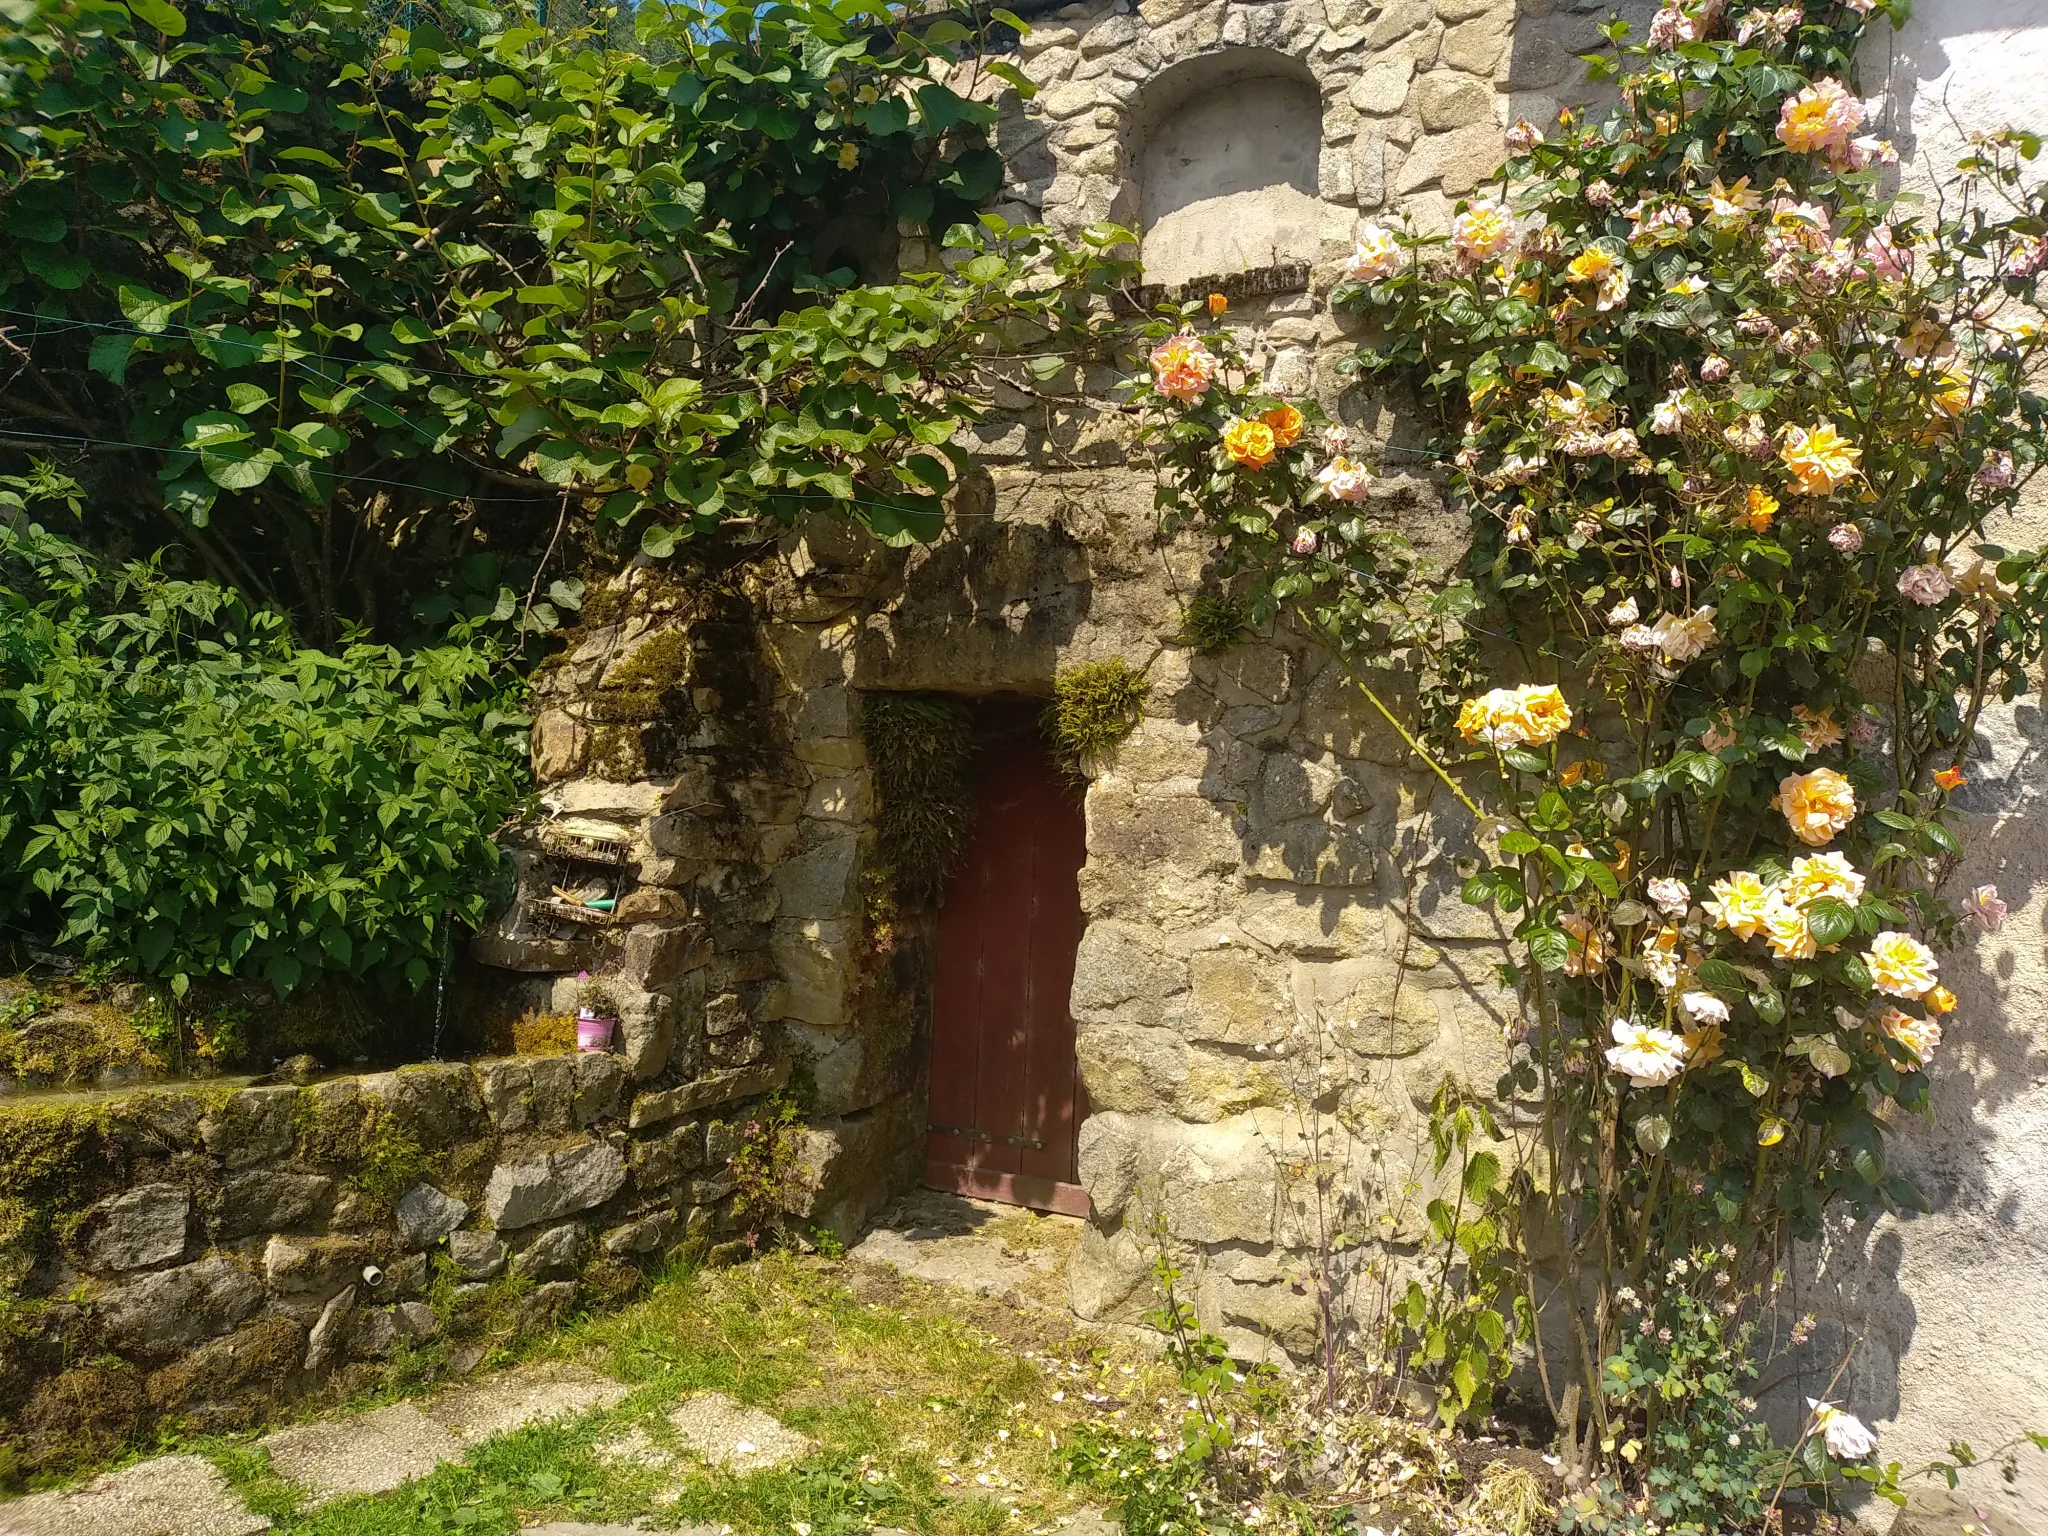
(1732, 418)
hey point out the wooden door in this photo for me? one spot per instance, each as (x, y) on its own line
(1003, 1083)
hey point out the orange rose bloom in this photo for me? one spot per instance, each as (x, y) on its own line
(1285, 421)
(1218, 303)
(1249, 443)
(1950, 777)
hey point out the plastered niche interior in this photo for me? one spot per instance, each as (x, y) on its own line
(1227, 150)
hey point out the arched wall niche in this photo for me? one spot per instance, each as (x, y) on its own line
(1224, 154)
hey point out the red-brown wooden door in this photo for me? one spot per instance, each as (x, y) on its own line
(1003, 1082)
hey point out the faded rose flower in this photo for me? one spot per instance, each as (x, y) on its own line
(1670, 896)
(1522, 137)
(1984, 905)
(1305, 542)
(1600, 194)
(1715, 368)
(1997, 471)
(1847, 1437)
(1624, 613)
(1924, 584)
(1846, 537)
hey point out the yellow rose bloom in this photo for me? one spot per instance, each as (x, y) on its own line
(1249, 443)
(1820, 458)
(1940, 1000)
(1473, 719)
(1590, 265)
(1738, 903)
(1758, 509)
(1786, 932)
(1901, 966)
(1815, 805)
(1822, 874)
(1532, 715)
(1545, 712)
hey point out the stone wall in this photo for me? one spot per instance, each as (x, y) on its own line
(215, 1254)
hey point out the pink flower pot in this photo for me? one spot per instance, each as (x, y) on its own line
(593, 1033)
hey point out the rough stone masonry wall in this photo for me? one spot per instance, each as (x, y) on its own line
(218, 1254)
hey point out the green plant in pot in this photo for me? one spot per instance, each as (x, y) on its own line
(597, 1014)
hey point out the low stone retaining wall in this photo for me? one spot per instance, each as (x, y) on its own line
(198, 1256)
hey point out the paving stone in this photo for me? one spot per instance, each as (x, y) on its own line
(370, 1453)
(517, 1398)
(165, 1496)
(733, 1436)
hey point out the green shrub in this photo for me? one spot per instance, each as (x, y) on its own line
(1094, 707)
(190, 792)
(1212, 623)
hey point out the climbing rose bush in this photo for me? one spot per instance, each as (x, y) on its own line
(1733, 422)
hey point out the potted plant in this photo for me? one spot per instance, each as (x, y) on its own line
(597, 1014)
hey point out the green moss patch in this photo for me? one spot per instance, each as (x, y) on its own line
(1095, 706)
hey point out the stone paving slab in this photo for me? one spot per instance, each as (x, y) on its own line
(370, 1453)
(733, 1436)
(522, 1396)
(165, 1496)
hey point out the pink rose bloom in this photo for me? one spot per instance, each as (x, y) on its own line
(1924, 584)
(1985, 906)
(1481, 233)
(1523, 137)
(1846, 537)
(1996, 472)
(1600, 194)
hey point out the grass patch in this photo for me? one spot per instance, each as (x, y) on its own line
(933, 1412)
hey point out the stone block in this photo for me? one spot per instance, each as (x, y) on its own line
(1107, 1154)
(647, 1033)
(173, 1309)
(330, 1331)
(815, 961)
(302, 1270)
(434, 1102)
(601, 1081)
(547, 1187)
(270, 1200)
(1476, 46)
(528, 1093)
(381, 1331)
(1382, 87)
(476, 1255)
(553, 1254)
(637, 1238)
(704, 1092)
(1119, 963)
(1220, 1186)
(1125, 1067)
(141, 1228)
(1445, 99)
(657, 955)
(425, 1215)
(819, 882)
(652, 904)
(1236, 997)
(661, 1160)
(1456, 161)
(251, 1126)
